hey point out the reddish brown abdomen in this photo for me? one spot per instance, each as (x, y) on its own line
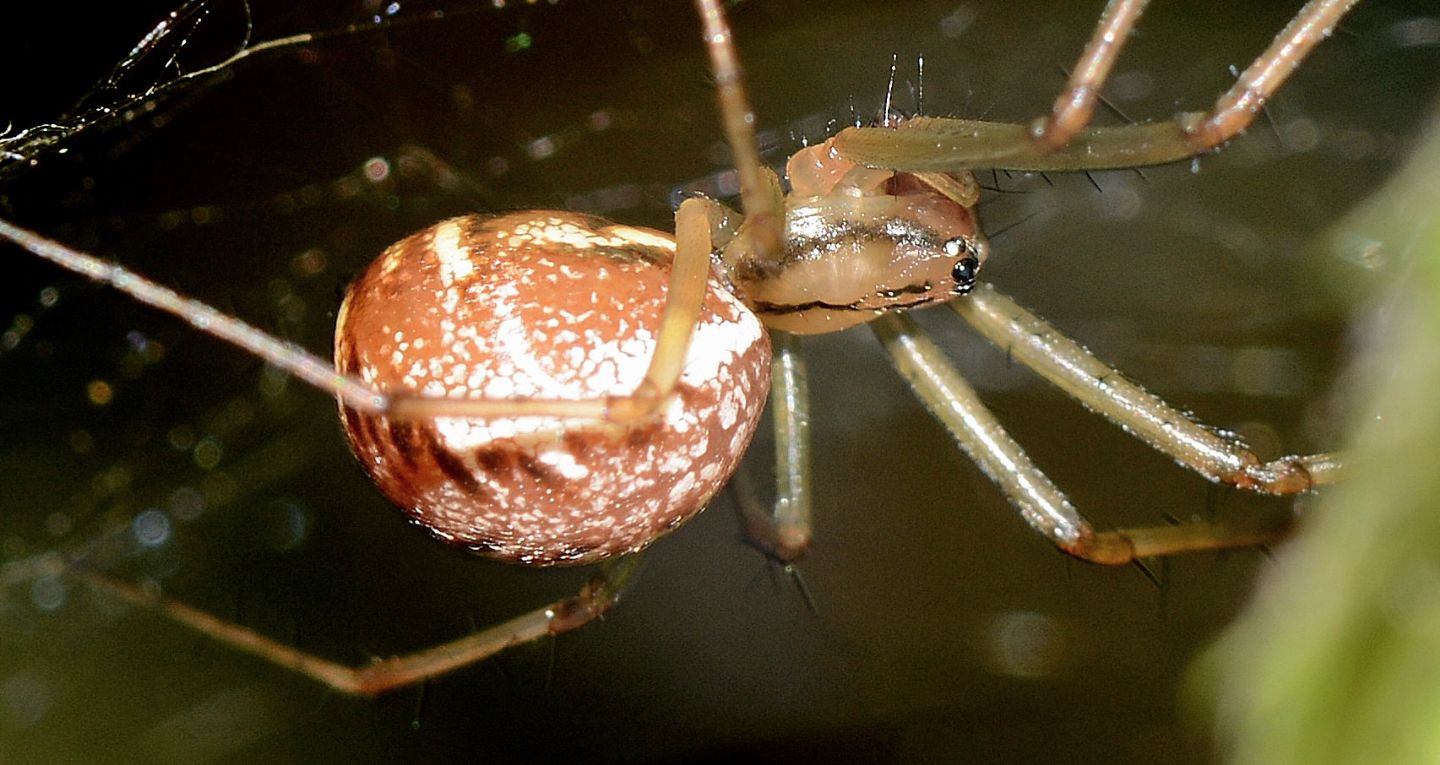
(549, 305)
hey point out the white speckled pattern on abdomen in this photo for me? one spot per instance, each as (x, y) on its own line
(536, 310)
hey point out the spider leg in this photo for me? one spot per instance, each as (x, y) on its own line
(685, 296)
(1069, 366)
(1234, 110)
(687, 286)
(929, 143)
(1076, 103)
(595, 598)
(955, 404)
(783, 532)
(762, 205)
(946, 394)
(293, 359)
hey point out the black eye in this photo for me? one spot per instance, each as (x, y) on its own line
(964, 274)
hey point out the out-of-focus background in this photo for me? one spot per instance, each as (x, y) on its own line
(944, 629)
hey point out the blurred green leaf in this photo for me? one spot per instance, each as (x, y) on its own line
(1338, 658)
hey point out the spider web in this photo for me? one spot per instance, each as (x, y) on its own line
(188, 48)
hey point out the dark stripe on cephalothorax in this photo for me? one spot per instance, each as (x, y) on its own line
(800, 249)
(909, 289)
(453, 468)
(784, 308)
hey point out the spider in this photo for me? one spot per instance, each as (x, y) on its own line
(896, 333)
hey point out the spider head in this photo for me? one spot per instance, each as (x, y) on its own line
(860, 242)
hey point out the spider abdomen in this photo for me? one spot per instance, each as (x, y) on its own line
(544, 305)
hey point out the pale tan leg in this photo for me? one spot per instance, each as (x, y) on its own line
(689, 279)
(594, 599)
(783, 530)
(928, 143)
(762, 209)
(1033, 342)
(955, 404)
(783, 533)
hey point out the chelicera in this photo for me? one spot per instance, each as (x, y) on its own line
(564, 390)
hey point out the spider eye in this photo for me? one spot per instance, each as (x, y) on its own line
(964, 274)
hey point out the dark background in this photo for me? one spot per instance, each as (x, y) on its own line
(945, 630)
